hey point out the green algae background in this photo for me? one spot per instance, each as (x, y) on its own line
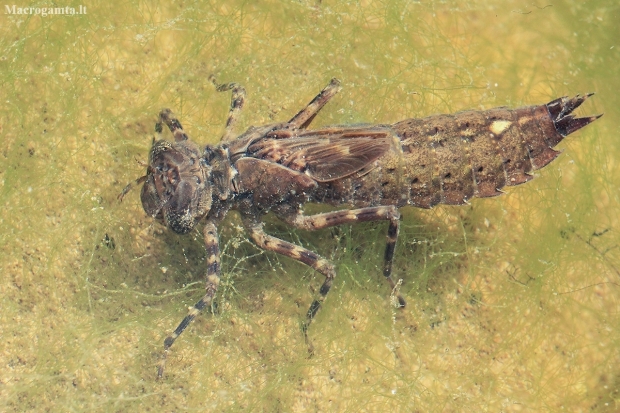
(513, 302)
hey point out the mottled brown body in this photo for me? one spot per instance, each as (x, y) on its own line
(373, 168)
(449, 159)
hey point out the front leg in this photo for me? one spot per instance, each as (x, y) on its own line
(167, 117)
(330, 219)
(237, 101)
(213, 280)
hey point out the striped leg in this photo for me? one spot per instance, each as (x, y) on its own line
(213, 280)
(331, 219)
(131, 186)
(316, 262)
(236, 104)
(166, 116)
(303, 119)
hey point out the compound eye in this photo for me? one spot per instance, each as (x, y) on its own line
(179, 223)
(151, 201)
(178, 211)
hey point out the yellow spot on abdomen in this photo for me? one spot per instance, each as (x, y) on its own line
(499, 126)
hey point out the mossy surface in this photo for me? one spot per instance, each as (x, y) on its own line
(513, 302)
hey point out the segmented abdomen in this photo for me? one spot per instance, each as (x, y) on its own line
(451, 158)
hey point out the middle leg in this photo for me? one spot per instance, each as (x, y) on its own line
(330, 219)
(303, 119)
(311, 259)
